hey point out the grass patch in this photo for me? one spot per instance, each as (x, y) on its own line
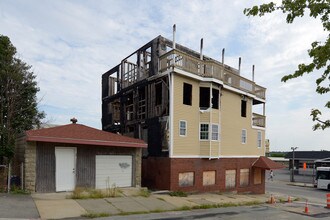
(296, 199)
(178, 194)
(220, 205)
(144, 193)
(282, 200)
(133, 213)
(205, 206)
(95, 215)
(183, 208)
(87, 193)
(17, 190)
(158, 211)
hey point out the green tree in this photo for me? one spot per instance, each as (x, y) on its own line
(18, 100)
(319, 51)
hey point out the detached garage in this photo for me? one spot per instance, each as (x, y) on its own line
(74, 155)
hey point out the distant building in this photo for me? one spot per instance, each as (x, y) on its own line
(308, 157)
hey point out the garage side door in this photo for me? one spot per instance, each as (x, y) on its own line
(113, 169)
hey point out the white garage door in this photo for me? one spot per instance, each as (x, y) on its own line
(113, 169)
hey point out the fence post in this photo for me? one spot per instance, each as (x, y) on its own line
(22, 176)
(9, 175)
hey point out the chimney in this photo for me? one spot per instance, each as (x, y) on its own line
(73, 120)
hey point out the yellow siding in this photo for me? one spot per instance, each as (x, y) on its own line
(232, 124)
(188, 145)
(191, 145)
(228, 117)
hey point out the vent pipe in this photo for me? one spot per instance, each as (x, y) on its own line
(239, 65)
(73, 120)
(253, 72)
(174, 30)
(223, 56)
(201, 51)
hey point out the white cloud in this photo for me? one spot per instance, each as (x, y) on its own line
(70, 44)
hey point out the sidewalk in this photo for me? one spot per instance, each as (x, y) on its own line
(57, 206)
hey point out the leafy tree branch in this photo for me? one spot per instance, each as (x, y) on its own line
(319, 51)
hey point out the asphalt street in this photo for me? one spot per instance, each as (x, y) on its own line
(24, 206)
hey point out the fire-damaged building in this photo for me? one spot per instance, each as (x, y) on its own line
(198, 116)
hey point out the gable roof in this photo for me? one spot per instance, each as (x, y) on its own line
(81, 134)
(267, 164)
(308, 154)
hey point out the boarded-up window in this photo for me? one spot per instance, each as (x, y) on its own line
(244, 177)
(208, 178)
(257, 176)
(186, 179)
(230, 179)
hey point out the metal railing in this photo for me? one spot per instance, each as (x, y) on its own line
(210, 69)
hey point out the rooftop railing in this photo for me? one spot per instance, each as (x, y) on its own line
(210, 69)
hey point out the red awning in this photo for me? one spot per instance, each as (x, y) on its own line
(267, 164)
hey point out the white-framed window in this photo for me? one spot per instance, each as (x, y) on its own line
(244, 136)
(215, 132)
(204, 132)
(183, 128)
(259, 139)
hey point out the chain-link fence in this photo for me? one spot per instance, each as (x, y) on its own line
(3, 177)
(15, 172)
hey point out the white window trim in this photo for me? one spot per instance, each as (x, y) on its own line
(200, 125)
(185, 135)
(259, 132)
(245, 136)
(218, 136)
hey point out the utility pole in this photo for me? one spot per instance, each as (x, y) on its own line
(292, 169)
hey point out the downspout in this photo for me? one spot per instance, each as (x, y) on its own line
(210, 127)
(219, 127)
(171, 114)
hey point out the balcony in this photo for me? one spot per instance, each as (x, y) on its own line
(258, 120)
(210, 69)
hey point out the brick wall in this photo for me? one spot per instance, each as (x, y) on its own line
(163, 173)
(156, 173)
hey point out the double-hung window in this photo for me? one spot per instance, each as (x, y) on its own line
(204, 132)
(244, 136)
(259, 139)
(183, 128)
(215, 132)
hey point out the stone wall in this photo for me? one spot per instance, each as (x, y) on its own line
(30, 167)
(138, 167)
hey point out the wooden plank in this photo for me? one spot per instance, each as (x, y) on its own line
(45, 169)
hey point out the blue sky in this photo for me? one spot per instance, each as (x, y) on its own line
(70, 44)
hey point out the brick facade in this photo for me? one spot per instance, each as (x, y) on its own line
(165, 174)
